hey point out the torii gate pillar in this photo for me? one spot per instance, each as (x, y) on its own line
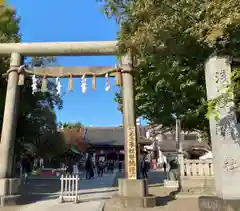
(133, 191)
(8, 185)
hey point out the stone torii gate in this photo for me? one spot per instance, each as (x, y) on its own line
(131, 185)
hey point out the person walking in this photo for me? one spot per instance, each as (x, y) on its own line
(111, 166)
(70, 165)
(97, 166)
(26, 168)
(173, 173)
(144, 167)
(101, 168)
(119, 166)
(89, 169)
(165, 167)
(75, 169)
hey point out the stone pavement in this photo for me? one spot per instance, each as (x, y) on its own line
(54, 205)
(46, 192)
(165, 202)
(166, 198)
(96, 193)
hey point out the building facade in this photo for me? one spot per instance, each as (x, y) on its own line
(107, 142)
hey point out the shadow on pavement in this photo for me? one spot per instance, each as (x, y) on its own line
(155, 178)
(163, 200)
(104, 191)
(36, 190)
(44, 189)
(97, 182)
(40, 186)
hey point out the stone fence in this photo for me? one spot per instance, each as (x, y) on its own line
(198, 168)
(196, 176)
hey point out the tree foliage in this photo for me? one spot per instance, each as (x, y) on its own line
(71, 125)
(171, 41)
(37, 119)
(51, 144)
(8, 33)
(36, 116)
(74, 134)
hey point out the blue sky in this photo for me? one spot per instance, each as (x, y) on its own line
(74, 20)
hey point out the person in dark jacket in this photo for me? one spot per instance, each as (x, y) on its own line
(89, 168)
(165, 169)
(111, 166)
(173, 170)
(101, 168)
(70, 165)
(119, 166)
(144, 167)
(26, 167)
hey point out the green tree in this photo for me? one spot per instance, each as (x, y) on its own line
(51, 145)
(37, 119)
(74, 134)
(8, 33)
(72, 125)
(171, 40)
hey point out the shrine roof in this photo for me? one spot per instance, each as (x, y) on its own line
(170, 145)
(113, 136)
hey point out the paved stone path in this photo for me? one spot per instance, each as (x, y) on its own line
(165, 202)
(41, 194)
(98, 182)
(165, 197)
(95, 192)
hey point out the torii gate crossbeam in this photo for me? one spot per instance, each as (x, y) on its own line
(102, 48)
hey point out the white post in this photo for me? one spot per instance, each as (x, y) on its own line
(76, 191)
(179, 149)
(66, 185)
(69, 188)
(61, 192)
(73, 186)
(69, 185)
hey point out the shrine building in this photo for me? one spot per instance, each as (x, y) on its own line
(109, 141)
